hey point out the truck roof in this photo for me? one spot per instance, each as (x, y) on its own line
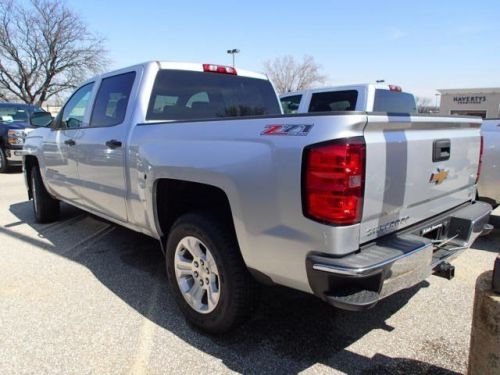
(357, 86)
(173, 65)
(198, 67)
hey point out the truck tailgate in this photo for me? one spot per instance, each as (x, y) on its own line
(416, 167)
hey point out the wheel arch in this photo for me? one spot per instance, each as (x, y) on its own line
(174, 198)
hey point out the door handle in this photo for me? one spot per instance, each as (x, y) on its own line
(113, 143)
(69, 142)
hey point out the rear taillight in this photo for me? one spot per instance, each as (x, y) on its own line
(333, 181)
(395, 88)
(481, 149)
(219, 69)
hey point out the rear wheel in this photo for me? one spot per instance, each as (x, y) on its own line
(45, 207)
(3, 161)
(209, 279)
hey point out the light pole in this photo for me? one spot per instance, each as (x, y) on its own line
(233, 52)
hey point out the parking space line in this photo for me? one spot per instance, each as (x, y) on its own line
(49, 227)
(90, 240)
(146, 333)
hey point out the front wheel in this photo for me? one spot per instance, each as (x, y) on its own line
(45, 207)
(207, 274)
(4, 166)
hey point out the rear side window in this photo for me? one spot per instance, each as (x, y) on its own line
(334, 101)
(290, 104)
(394, 101)
(112, 99)
(188, 95)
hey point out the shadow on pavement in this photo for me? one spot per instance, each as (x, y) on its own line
(14, 170)
(491, 242)
(290, 332)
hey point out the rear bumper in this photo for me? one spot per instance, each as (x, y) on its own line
(358, 281)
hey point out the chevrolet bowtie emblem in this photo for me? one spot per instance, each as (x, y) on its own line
(439, 176)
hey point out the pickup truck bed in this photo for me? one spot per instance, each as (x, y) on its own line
(351, 206)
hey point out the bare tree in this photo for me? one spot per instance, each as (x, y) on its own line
(424, 105)
(45, 49)
(288, 74)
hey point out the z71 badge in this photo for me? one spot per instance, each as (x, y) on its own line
(281, 129)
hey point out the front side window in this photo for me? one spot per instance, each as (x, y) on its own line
(74, 110)
(290, 104)
(112, 99)
(334, 101)
(185, 95)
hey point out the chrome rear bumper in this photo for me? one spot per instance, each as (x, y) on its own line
(395, 262)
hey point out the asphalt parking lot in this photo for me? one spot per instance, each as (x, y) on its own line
(82, 296)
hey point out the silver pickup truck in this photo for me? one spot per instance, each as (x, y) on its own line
(350, 206)
(489, 182)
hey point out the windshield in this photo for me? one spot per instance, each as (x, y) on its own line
(19, 113)
(13, 113)
(186, 95)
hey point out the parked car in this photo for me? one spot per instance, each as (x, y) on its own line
(350, 206)
(363, 97)
(489, 182)
(14, 125)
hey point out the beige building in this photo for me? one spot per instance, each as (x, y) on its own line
(484, 102)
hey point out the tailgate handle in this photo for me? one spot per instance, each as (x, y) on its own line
(441, 150)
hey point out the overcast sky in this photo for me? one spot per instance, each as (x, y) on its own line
(420, 45)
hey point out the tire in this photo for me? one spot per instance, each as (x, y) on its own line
(45, 208)
(4, 165)
(237, 290)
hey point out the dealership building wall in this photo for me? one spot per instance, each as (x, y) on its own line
(484, 102)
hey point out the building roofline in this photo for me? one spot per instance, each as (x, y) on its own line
(480, 90)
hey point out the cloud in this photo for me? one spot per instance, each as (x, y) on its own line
(396, 34)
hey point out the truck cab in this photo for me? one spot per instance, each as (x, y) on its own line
(366, 97)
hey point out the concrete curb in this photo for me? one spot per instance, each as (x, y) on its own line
(484, 357)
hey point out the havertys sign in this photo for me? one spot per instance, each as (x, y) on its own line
(469, 99)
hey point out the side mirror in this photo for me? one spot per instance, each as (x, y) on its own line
(41, 119)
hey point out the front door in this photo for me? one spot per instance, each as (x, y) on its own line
(59, 149)
(102, 145)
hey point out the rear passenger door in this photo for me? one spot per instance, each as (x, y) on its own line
(102, 146)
